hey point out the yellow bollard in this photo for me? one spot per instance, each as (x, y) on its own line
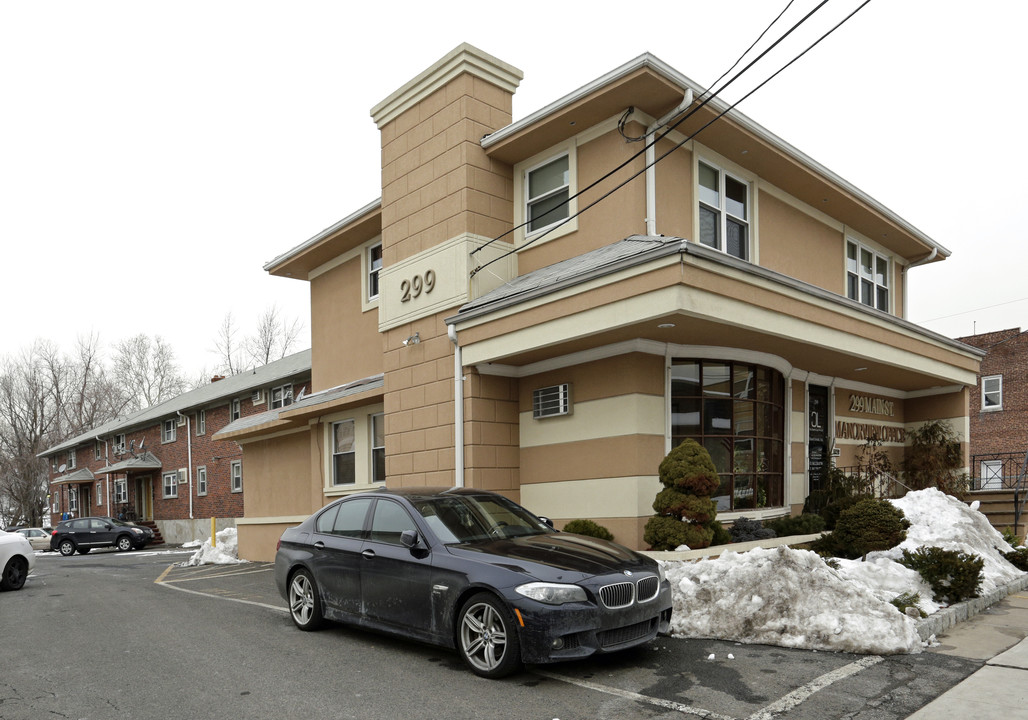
(214, 537)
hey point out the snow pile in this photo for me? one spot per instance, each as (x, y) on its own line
(785, 597)
(943, 521)
(225, 551)
(792, 598)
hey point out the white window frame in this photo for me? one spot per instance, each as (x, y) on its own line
(281, 396)
(99, 494)
(373, 272)
(119, 443)
(991, 475)
(521, 172)
(169, 485)
(336, 452)
(376, 420)
(121, 490)
(721, 210)
(867, 284)
(168, 430)
(560, 190)
(998, 391)
(73, 499)
(201, 422)
(71, 459)
(98, 453)
(363, 420)
(201, 480)
(235, 473)
(235, 410)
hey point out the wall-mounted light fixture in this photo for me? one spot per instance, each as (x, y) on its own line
(412, 340)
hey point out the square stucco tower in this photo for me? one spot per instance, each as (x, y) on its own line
(443, 198)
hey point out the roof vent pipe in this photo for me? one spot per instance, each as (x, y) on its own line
(651, 172)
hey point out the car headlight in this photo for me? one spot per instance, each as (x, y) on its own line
(552, 593)
(137, 531)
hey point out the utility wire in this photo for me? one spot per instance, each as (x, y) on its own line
(685, 117)
(680, 144)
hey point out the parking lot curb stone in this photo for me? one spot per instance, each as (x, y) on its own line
(937, 623)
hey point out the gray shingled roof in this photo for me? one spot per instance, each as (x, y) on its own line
(234, 386)
(318, 398)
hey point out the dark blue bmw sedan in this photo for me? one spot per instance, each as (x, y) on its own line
(471, 570)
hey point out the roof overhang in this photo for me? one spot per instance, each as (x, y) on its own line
(146, 461)
(330, 243)
(83, 475)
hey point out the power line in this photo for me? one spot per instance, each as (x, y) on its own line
(965, 312)
(657, 139)
(677, 145)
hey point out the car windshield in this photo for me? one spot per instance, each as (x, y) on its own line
(466, 518)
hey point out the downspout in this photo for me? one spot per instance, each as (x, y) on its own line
(651, 170)
(927, 259)
(189, 460)
(458, 408)
(107, 479)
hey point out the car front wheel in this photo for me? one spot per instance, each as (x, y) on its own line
(124, 543)
(487, 638)
(15, 573)
(304, 603)
(67, 547)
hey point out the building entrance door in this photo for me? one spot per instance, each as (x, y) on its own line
(818, 439)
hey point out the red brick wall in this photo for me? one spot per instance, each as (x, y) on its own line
(1006, 430)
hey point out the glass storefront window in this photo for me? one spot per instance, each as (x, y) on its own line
(736, 411)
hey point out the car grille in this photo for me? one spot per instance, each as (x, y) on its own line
(623, 594)
(619, 636)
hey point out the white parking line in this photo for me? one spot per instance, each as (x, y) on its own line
(629, 695)
(802, 693)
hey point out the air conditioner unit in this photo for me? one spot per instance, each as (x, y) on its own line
(182, 421)
(551, 401)
(182, 478)
(258, 397)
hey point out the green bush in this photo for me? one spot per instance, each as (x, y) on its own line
(805, 524)
(588, 527)
(721, 535)
(953, 576)
(1018, 558)
(745, 530)
(934, 459)
(908, 600)
(869, 525)
(685, 513)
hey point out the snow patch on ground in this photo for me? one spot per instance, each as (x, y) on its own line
(224, 552)
(792, 598)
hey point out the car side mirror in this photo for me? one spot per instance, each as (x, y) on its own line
(109, 527)
(409, 538)
(546, 520)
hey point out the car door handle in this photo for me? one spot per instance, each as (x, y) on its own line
(369, 554)
(319, 545)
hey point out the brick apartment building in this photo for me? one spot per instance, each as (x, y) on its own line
(999, 409)
(162, 466)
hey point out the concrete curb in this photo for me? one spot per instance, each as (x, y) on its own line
(946, 618)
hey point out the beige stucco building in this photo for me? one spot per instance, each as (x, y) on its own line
(528, 309)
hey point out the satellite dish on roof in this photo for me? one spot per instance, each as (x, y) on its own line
(62, 468)
(141, 443)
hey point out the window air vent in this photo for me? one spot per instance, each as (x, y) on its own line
(551, 401)
(258, 397)
(182, 421)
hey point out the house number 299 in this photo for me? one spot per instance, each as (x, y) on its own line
(410, 289)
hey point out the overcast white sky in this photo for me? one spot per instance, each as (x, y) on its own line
(154, 155)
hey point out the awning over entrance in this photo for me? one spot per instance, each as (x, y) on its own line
(146, 461)
(83, 475)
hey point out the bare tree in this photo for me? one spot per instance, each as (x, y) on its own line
(145, 369)
(275, 337)
(229, 350)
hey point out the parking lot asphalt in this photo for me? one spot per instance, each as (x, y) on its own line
(997, 638)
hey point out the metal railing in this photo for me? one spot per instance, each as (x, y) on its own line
(879, 483)
(997, 471)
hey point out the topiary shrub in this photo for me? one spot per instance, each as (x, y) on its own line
(745, 530)
(953, 576)
(685, 513)
(1018, 558)
(871, 524)
(588, 527)
(805, 524)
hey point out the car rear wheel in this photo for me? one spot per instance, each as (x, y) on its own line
(304, 603)
(15, 573)
(487, 638)
(124, 543)
(67, 547)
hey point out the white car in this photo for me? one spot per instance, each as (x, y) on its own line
(17, 559)
(38, 538)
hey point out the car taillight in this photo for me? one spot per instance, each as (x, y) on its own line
(278, 545)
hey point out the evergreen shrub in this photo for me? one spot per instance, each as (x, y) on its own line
(685, 512)
(805, 524)
(744, 530)
(1018, 558)
(952, 575)
(589, 528)
(871, 524)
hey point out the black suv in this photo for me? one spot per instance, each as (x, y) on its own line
(84, 534)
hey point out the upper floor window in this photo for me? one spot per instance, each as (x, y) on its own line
(168, 430)
(236, 476)
(724, 210)
(374, 269)
(867, 276)
(119, 443)
(71, 459)
(281, 396)
(98, 451)
(547, 189)
(234, 410)
(992, 392)
(201, 422)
